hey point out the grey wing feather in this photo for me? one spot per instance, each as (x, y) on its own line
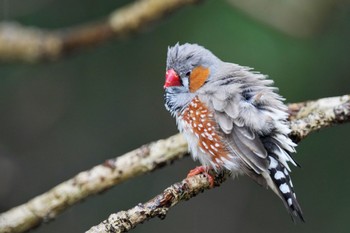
(249, 149)
(252, 141)
(218, 104)
(248, 133)
(232, 110)
(224, 122)
(240, 139)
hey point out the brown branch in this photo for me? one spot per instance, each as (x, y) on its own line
(31, 44)
(305, 118)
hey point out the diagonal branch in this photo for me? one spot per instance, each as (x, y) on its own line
(47, 206)
(305, 118)
(124, 221)
(31, 44)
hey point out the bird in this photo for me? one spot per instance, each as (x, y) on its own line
(232, 118)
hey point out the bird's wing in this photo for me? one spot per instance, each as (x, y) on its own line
(247, 145)
(240, 139)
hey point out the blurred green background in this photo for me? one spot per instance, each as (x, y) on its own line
(59, 118)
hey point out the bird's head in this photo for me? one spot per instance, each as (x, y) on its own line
(189, 67)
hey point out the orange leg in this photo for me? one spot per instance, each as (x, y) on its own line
(202, 170)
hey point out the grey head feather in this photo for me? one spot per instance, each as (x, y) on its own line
(183, 58)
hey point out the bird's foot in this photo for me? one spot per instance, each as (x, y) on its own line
(202, 170)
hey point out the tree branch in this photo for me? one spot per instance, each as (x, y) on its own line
(305, 118)
(124, 221)
(310, 116)
(31, 44)
(48, 205)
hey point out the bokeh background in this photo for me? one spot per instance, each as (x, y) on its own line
(59, 118)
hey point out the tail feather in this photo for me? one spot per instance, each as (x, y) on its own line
(281, 184)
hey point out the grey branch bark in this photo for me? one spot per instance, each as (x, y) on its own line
(31, 44)
(305, 118)
(48, 205)
(124, 221)
(310, 116)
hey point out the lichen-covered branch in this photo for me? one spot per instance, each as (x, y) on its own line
(101, 177)
(18, 42)
(123, 221)
(305, 118)
(310, 116)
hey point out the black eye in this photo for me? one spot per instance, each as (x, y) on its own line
(188, 73)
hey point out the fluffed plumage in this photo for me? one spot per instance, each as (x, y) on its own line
(232, 118)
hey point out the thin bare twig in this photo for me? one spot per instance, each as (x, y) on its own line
(31, 44)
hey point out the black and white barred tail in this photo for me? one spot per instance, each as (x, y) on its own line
(283, 187)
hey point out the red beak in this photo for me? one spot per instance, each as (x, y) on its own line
(171, 79)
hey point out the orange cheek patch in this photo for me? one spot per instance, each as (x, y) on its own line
(197, 78)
